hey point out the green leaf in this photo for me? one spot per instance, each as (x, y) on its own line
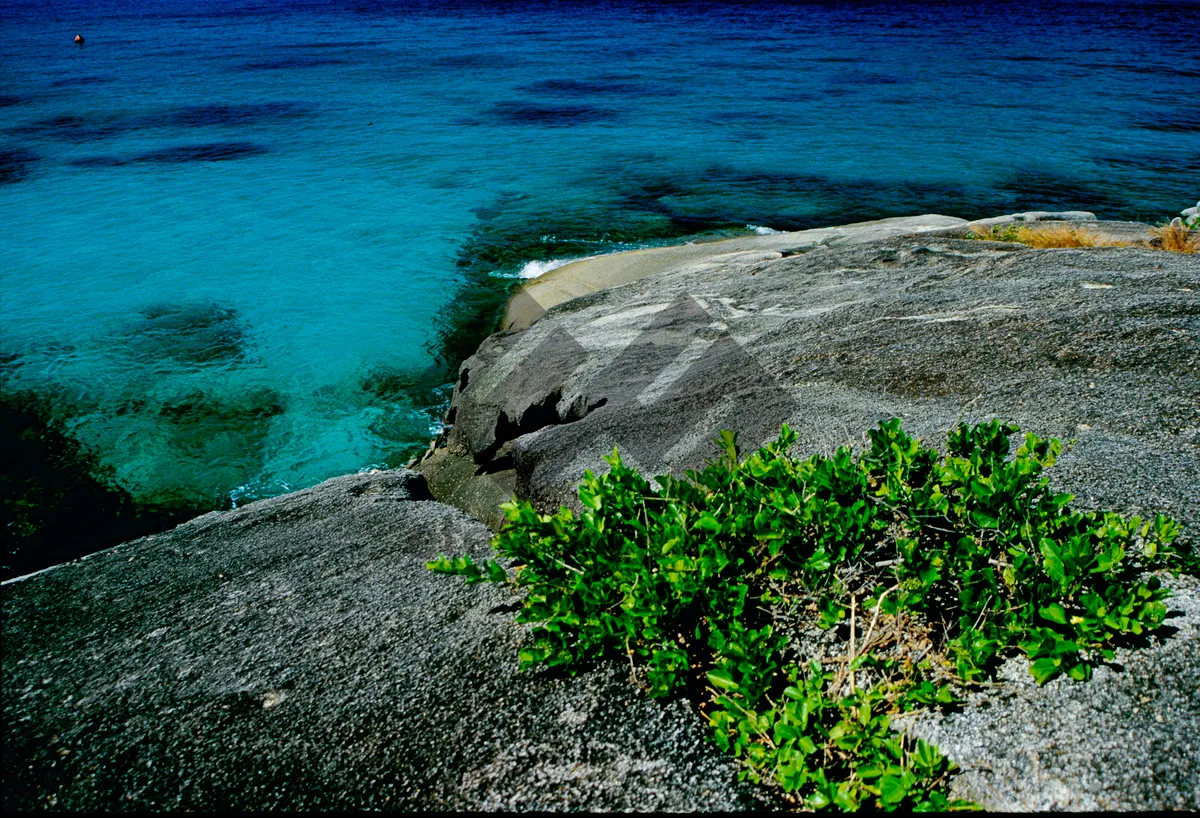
(721, 678)
(927, 756)
(1044, 670)
(894, 786)
(1080, 671)
(985, 520)
(1054, 612)
(441, 565)
(845, 799)
(1052, 560)
(818, 800)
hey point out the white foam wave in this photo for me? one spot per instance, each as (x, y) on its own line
(762, 231)
(533, 269)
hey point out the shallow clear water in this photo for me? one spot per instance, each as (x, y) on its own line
(229, 228)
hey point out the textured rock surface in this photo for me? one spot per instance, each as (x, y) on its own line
(1080, 220)
(1129, 739)
(1101, 345)
(589, 275)
(296, 654)
(1030, 216)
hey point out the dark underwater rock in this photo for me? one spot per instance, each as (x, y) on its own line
(208, 152)
(57, 501)
(519, 112)
(289, 63)
(202, 116)
(587, 88)
(1182, 123)
(201, 333)
(390, 383)
(15, 164)
(73, 128)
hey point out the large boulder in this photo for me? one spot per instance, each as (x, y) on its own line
(589, 275)
(1097, 345)
(296, 654)
(1100, 346)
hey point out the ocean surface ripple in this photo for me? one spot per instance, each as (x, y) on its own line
(243, 242)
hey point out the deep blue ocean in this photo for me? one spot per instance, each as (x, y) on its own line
(236, 235)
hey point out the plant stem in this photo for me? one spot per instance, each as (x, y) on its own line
(853, 600)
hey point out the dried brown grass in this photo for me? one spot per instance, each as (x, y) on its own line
(1047, 236)
(1176, 238)
(1061, 235)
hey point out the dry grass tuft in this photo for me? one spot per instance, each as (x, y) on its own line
(1061, 235)
(1055, 235)
(1176, 238)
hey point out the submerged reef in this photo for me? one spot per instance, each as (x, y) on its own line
(58, 501)
(200, 333)
(15, 164)
(169, 412)
(93, 458)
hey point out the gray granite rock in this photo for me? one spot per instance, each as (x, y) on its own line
(1037, 216)
(296, 654)
(1082, 220)
(585, 276)
(1129, 739)
(1100, 346)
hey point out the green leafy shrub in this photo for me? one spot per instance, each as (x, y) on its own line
(1007, 232)
(747, 585)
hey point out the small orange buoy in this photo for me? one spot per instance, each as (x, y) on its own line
(79, 39)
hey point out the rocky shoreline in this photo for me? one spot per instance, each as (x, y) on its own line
(295, 653)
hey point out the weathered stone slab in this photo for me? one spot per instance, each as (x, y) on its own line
(601, 272)
(1037, 216)
(1129, 739)
(296, 654)
(1082, 220)
(1100, 346)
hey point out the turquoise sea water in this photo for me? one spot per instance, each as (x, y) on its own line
(228, 228)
